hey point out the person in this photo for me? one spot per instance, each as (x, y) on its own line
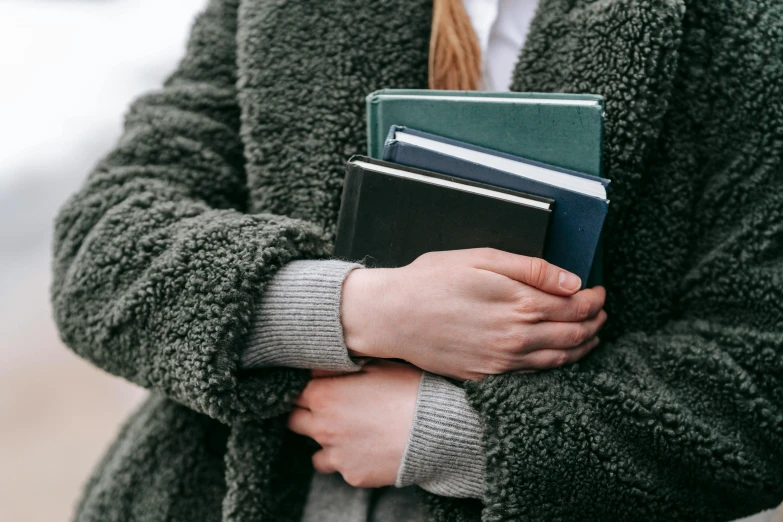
(195, 262)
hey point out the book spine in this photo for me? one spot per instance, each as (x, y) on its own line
(600, 167)
(346, 222)
(374, 143)
(390, 151)
(596, 277)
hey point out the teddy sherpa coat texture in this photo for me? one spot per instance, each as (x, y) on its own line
(235, 167)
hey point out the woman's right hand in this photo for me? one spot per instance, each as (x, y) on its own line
(470, 313)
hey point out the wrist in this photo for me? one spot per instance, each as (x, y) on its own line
(444, 453)
(363, 309)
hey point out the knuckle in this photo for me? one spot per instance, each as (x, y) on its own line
(583, 309)
(489, 253)
(322, 462)
(524, 302)
(532, 316)
(522, 339)
(325, 434)
(539, 272)
(577, 335)
(307, 393)
(600, 296)
(426, 258)
(356, 479)
(505, 348)
(497, 361)
(318, 394)
(497, 366)
(511, 340)
(312, 396)
(560, 359)
(530, 310)
(474, 376)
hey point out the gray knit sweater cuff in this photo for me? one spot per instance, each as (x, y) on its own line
(444, 454)
(297, 324)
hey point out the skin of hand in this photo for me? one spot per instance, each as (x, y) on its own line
(361, 420)
(470, 313)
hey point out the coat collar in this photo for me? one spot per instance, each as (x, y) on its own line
(305, 68)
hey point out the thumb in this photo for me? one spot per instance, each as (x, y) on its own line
(532, 271)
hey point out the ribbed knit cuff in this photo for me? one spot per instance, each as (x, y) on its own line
(297, 324)
(444, 454)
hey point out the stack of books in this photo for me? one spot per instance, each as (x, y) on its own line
(449, 170)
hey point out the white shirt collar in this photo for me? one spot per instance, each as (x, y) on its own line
(501, 28)
(482, 14)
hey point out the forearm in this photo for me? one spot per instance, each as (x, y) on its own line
(297, 323)
(444, 454)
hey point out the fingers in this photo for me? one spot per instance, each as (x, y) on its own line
(323, 463)
(324, 384)
(317, 386)
(547, 358)
(581, 306)
(301, 421)
(563, 336)
(531, 271)
(303, 400)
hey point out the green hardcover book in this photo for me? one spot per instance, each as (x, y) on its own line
(565, 130)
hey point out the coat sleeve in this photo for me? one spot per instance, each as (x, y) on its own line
(156, 266)
(681, 423)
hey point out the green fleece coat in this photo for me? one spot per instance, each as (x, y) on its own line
(235, 167)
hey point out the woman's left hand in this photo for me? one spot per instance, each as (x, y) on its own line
(361, 420)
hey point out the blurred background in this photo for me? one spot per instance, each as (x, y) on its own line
(68, 70)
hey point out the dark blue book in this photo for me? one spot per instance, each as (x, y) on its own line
(580, 200)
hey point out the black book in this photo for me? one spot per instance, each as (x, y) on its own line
(391, 214)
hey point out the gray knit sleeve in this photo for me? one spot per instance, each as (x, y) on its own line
(444, 454)
(297, 323)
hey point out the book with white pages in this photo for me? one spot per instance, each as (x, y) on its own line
(580, 200)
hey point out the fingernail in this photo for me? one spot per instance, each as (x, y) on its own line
(570, 282)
